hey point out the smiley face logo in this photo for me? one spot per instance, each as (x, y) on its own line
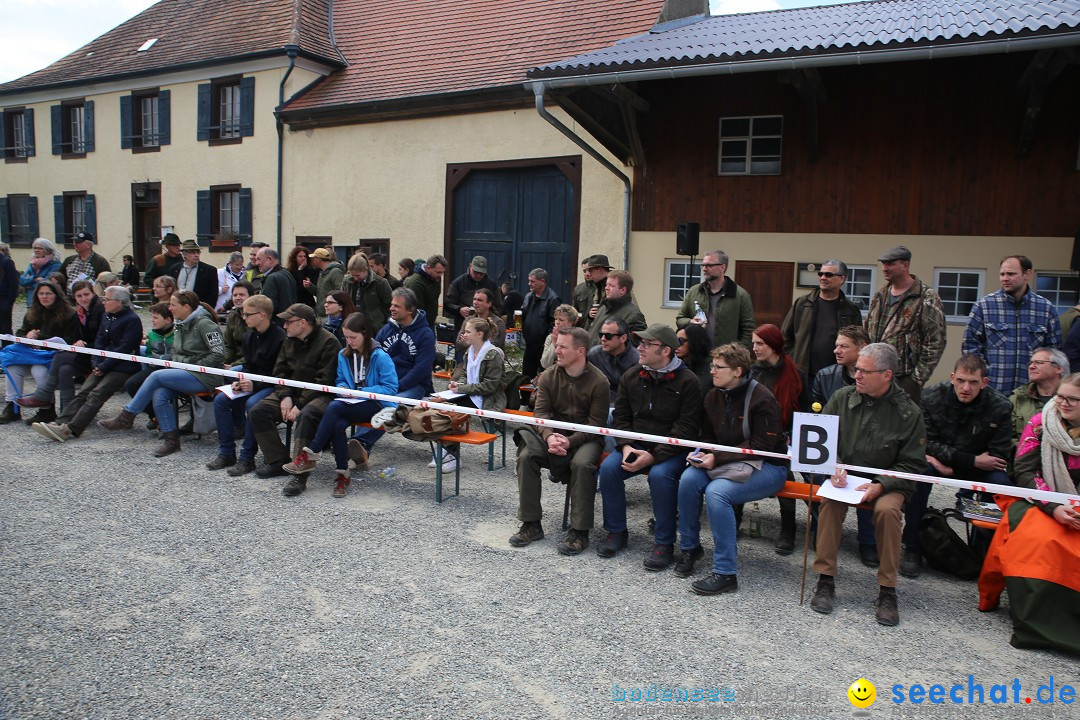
(862, 693)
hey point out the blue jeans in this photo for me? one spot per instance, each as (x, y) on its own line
(663, 488)
(915, 507)
(370, 436)
(335, 424)
(720, 495)
(228, 414)
(162, 388)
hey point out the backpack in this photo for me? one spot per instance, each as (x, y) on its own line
(943, 548)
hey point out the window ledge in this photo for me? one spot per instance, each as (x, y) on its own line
(145, 149)
(225, 141)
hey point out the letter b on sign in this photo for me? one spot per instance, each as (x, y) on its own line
(813, 443)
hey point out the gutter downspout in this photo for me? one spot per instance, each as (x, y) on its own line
(292, 51)
(538, 91)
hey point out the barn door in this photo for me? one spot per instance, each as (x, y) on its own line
(769, 285)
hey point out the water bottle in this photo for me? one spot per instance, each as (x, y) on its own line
(754, 521)
(699, 314)
(387, 471)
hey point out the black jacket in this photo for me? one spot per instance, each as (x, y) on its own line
(206, 286)
(261, 351)
(957, 432)
(460, 294)
(668, 405)
(119, 333)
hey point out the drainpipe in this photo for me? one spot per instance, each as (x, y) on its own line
(538, 92)
(292, 51)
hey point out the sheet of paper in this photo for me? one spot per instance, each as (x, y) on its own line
(230, 393)
(447, 395)
(350, 400)
(847, 494)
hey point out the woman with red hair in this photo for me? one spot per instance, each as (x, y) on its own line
(777, 371)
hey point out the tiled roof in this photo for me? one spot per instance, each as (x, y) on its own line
(828, 29)
(192, 32)
(398, 49)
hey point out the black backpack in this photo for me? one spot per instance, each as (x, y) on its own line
(943, 548)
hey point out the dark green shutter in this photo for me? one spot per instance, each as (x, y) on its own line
(29, 122)
(202, 215)
(247, 107)
(164, 126)
(32, 215)
(5, 226)
(126, 124)
(245, 216)
(88, 125)
(57, 117)
(4, 152)
(90, 215)
(59, 220)
(205, 99)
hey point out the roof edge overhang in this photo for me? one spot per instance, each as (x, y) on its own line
(335, 63)
(417, 106)
(788, 62)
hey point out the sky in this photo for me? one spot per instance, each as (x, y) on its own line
(36, 33)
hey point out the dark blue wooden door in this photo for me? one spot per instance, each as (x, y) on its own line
(519, 219)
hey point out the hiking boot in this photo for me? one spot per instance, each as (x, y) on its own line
(294, 487)
(574, 542)
(528, 532)
(31, 401)
(910, 563)
(59, 433)
(785, 544)
(170, 443)
(304, 463)
(358, 455)
(8, 413)
(123, 421)
(44, 415)
(714, 584)
(242, 467)
(268, 471)
(152, 425)
(868, 555)
(824, 595)
(341, 485)
(220, 462)
(659, 558)
(613, 543)
(887, 614)
(687, 560)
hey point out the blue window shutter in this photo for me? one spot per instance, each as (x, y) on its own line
(3, 144)
(164, 126)
(32, 213)
(88, 124)
(202, 215)
(57, 117)
(5, 227)
(205, 99)
(247, 107)
(58, 220)
(29, 115)
(245, 216)
(125, 121)
(90, 217)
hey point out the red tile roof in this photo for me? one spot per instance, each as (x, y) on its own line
(192, 32)
(399, 49)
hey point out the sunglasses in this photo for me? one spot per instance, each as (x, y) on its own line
(609, 336)
(829, 275)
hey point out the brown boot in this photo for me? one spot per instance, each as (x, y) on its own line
(170, 443)
(123, 421)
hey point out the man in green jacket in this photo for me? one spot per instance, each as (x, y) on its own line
(811, 325)
(592, 292)
(426, 284)
(725, 308)
(331, 274)
(618, 303)
(880, 427)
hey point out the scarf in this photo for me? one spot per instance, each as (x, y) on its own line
(665, 373)
(472, 369)
(1056, 442)
(40, 262)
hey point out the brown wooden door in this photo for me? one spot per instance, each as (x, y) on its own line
(769, 285)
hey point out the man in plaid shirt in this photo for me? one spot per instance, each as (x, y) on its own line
(1006, 326)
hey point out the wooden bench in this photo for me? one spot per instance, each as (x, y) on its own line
(801, 491)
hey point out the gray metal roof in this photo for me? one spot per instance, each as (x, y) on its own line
(826, 30)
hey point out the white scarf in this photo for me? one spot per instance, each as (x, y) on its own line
(1056, 442)
(472, 369)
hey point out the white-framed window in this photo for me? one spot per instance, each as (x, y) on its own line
(860, 285)
(148, 120)
(228, 212)
(959, 289)
(78, 213)
(679, 276)
(18, 135)
(229, 110)
(751, 145)
(1059, 288)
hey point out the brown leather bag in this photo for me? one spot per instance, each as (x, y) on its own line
(428, 421)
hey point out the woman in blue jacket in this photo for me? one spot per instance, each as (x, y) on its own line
(45, 262)
(362, 365)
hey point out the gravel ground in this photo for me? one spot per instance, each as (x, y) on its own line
(135, 587)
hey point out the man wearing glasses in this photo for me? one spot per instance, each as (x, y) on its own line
(614, 356)
(880, 427)
(661, 397)
(812, 322)
(726, 307)
(308, 354)
(261, 345)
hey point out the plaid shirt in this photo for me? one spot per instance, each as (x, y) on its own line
(1005, 333)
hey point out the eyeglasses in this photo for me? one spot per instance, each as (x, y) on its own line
(251, 314)
(328, 301)
(291, 320)
(864, 371)
(609, 336)
(647, 344)
(709, 265)
(720, 367)
(1040, 363)
(828, 275)
(1066, 400)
